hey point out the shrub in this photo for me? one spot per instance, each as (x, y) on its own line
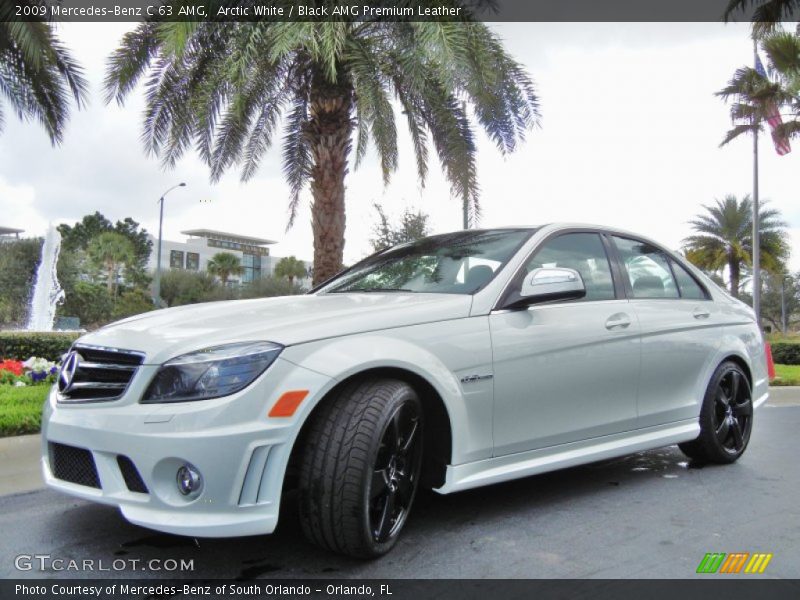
(90, 302)
(18, 262)
(132, 302)
(786, 353)
(180, 287)
(270, 286)
(22, 345)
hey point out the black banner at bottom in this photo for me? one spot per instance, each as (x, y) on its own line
(400, 589)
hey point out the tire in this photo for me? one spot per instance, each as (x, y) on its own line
(726, 418)
(361, 466)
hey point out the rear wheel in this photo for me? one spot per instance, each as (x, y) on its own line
(726, 417)
(361, 468)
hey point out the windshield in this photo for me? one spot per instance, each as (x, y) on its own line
(453, 263)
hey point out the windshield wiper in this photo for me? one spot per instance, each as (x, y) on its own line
(371, 290)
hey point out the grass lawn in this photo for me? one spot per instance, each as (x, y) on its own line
(778, 338)
(21, 409)
(786, 375)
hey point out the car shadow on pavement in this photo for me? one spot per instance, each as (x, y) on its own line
(437, 523)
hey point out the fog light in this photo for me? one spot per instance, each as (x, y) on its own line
(189, 480)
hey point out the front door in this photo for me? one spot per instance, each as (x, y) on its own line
(566, 371)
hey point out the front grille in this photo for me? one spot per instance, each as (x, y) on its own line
(92, 374)
(72, 464)
(131, 475)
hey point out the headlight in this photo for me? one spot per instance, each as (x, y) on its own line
(211, 372)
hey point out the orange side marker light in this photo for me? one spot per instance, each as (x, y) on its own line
(287, 404)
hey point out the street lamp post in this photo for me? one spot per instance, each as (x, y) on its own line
(157, 278)
(783, 304)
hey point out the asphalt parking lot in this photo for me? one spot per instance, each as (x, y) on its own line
(647, 515)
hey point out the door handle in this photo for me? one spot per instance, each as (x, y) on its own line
(618, 321)
(701, 313)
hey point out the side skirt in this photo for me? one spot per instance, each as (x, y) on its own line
(534, 462)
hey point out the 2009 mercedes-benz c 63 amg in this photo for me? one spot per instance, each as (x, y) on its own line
(452, 362)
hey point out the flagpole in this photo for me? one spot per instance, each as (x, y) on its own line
(756, 228)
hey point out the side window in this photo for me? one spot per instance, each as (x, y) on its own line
(687, 284)
(583, 252)
(647, 269)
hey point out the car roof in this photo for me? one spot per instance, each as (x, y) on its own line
(561, 225)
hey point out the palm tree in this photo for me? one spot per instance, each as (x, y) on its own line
(224, 87)
(290, 268)
(225, 264)
(783, 53)
(766, 16)
(112, 251)
(754, 98)
(37, 73)
(724, 239)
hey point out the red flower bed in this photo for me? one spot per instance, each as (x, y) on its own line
(12, 366)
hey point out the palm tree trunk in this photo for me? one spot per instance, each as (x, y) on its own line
(733, 265)
(329, 133)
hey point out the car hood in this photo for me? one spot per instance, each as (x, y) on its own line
(286, 320)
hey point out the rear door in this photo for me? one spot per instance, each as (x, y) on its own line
(679, 326)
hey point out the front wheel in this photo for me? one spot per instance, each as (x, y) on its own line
(726, 417)
(361, 468)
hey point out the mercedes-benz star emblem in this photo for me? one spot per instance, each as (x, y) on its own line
(68, 368)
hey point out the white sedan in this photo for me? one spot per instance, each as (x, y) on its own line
(456, 361)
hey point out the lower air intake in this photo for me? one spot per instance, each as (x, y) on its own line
(72, 464)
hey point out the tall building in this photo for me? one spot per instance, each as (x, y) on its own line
(203, 244)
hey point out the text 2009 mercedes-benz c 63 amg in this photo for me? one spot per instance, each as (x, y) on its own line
(452, 362)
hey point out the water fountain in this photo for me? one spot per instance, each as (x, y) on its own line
(47, 293)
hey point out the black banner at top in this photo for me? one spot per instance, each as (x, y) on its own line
(389, 10)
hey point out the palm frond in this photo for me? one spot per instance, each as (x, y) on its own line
(373, 105)
(737, 131)
(296, 155)
(38, 75)
(264, 87)
(766, 15)
(362, 136)
(783, 51)
(127, 64)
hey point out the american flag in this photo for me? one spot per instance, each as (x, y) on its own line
(773, 117)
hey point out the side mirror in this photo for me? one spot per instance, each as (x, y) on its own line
(551, 284)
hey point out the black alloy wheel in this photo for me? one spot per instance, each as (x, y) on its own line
(395, 473)
(726, 417)
(733, 412)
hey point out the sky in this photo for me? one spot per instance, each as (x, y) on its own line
(629, 137)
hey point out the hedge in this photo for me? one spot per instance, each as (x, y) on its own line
(786, 353)
(21, 345)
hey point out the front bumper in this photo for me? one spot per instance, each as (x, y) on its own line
(240, 452)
